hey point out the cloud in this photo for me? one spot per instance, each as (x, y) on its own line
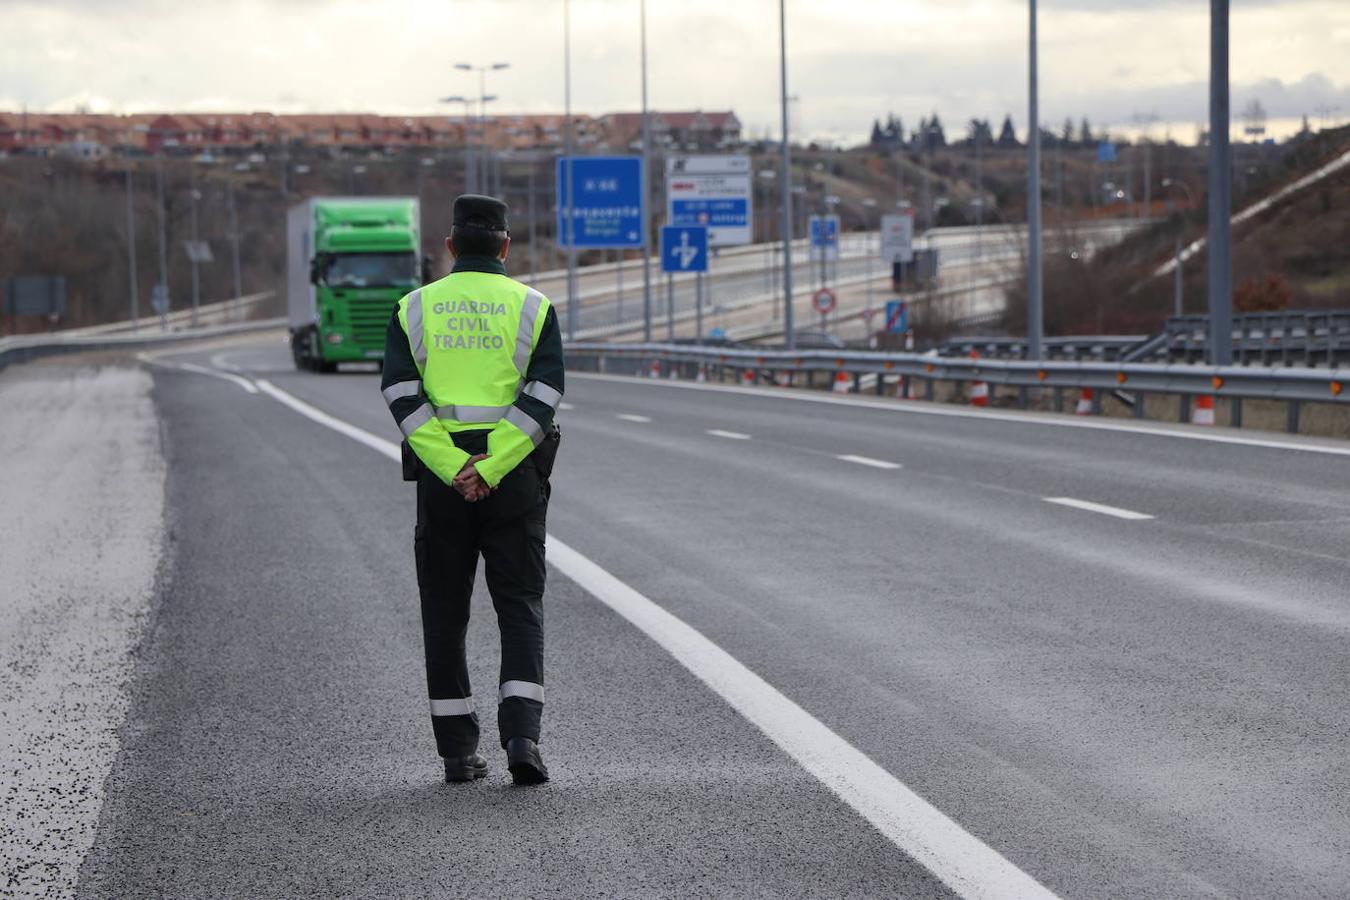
(849, 62)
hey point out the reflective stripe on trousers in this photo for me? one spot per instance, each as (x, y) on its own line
(527, 689)
(452, 707)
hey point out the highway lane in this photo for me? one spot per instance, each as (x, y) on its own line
(1121, 707)
(278, 743)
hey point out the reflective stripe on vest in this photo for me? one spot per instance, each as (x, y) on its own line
(472, 414)
(416, 332)
(525, 331)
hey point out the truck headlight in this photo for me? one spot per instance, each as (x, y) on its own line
(333, 338)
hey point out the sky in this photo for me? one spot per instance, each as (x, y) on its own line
(848, 62)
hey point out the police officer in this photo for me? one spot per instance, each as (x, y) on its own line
(473, 373)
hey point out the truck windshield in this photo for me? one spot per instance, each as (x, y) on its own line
(370, 269)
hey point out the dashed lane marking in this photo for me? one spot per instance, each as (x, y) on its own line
(1047, 420)
(962, 861)
(566, 406)
(729, 435)
(629, 417)
(1102, 508)
(868, 461)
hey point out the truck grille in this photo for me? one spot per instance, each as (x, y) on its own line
(370, 318)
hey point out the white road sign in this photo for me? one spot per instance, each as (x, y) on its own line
(713, 191)
(897, 238)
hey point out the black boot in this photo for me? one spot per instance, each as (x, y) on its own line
(465, 768)
(525, 762)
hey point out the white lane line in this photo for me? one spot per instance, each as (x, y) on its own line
(729, 435)
(566, 406)
(199, 370)
(962, 861)
(1099, 508)
(1052, 420)
(868, 461)
(629, 417)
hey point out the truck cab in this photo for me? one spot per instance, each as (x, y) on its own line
(350, 260)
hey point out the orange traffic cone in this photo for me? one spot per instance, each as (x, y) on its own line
(843, 384)
(1084, 407)
(1203, 412)
(748, 377)
(702, 375)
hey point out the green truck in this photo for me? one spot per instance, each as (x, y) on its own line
(348, 261)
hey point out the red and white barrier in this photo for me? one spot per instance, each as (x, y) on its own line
(702, 374)
(1084, 407)
(979, 390)
(656, 369)
(748, 377)
(1203, 411)
(843, 383)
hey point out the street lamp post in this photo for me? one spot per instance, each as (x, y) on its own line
(646, 188)
(195, 195)
(1220, 192)
(572, 299)
(470, 168)
(1035, 324)
(790, 338)
(131, 256)
(483, 98)
(1176, 263)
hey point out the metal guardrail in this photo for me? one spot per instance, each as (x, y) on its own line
(1294, 337)
(1293, 385)
(29, 347)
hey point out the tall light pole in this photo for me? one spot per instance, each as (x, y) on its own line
(1220, 192)
(163, 292)
(1035, 325)
(483, 98)
(131, 256)
(790, 337)
(646, 188)
(234, 245)
(469, 168)
(194, 195)
(567, 174)
(1177, 286)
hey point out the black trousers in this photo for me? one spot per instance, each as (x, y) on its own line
(507, 530)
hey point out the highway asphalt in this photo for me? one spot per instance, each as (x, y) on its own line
(1136, 690)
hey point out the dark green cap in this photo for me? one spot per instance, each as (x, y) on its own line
(480, 211)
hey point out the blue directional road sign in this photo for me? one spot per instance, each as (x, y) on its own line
(607, 203)
(684, 248)
(825, 237)
(1106, 152)
(897, 316)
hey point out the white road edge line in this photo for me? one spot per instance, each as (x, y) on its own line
(1052, 420)
(962, 861)
(629, 417)
(200, 370)
(566, 406)
(729, 435)
(1099, 508)
(868, 461)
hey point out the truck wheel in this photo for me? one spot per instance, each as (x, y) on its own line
(299, 347)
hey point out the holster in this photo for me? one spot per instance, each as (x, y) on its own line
(547, 452)
(412, 466)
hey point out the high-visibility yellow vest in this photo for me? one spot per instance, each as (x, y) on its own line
(472, 335)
